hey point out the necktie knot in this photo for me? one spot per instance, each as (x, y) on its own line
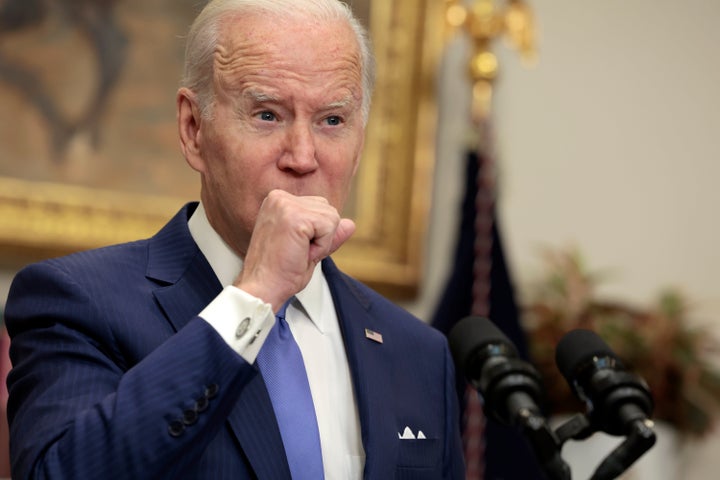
(281, 322)
(283, 308)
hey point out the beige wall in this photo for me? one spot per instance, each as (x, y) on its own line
(613, 142)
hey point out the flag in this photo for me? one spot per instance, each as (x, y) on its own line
(505, 454)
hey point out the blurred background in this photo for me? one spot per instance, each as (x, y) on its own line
(606, 151)
(607, 161)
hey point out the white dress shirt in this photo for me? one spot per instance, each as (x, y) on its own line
(244, 322)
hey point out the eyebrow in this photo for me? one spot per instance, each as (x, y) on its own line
(342, 103)
(260, 97)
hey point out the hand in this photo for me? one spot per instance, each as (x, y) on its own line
(291, 235)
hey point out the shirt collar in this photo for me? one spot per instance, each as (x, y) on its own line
(227, 265)
(224, 261)
(311, 298)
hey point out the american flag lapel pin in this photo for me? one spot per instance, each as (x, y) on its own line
(374, 336)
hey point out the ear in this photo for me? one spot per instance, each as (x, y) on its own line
(189, 122)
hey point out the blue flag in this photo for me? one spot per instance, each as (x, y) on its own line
(507, 454)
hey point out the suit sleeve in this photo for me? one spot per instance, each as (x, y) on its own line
(78, 408)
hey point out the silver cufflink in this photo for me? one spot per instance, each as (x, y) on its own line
(242, 328)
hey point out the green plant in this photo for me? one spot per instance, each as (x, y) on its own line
(659, 343)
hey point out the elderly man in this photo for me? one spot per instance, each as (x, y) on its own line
(164, 358)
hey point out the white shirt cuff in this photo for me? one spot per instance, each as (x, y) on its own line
(241, 319)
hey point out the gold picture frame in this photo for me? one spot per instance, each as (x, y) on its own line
(45, 216)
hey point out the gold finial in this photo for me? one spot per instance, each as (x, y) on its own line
(484, 22)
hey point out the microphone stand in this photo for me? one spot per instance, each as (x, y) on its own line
(545, 444)
(639, 439)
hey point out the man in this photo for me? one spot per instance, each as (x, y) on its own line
(134, 362)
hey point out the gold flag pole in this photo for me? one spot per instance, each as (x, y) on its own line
(485, 22)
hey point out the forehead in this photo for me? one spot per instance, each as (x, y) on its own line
(316, 53)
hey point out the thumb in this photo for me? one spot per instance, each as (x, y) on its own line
(344, 230)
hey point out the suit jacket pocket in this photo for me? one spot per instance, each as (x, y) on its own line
(423, 453)
(419, 460)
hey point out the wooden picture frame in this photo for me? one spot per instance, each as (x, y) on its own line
(48, 208)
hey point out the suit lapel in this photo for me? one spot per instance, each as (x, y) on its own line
(370, 368)
(187, 284)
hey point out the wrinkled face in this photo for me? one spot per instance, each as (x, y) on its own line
(286, 115)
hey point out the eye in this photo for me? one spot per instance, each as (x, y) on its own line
(333, 120)
(267, 116)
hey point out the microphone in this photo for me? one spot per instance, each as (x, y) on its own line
(615, 398)
(510, 387)
(618, 402)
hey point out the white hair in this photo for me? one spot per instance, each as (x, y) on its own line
(203, 37)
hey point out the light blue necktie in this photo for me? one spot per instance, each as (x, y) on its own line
(283, 370)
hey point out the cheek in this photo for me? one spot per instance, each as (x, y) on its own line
(244, 175)
(223, 175)
(340, 177)
(353, 153)
(233, 158)
(344, 155)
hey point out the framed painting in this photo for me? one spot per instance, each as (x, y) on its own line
(89, 154)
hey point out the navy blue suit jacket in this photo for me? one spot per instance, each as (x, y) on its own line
(115, 376)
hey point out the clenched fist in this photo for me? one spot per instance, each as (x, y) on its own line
(291, 235)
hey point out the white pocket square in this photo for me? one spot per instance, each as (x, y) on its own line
(408, 434)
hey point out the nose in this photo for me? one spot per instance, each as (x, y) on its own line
(299, 154)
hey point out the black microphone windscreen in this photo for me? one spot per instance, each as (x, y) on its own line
(472, 333)
(576, 349)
